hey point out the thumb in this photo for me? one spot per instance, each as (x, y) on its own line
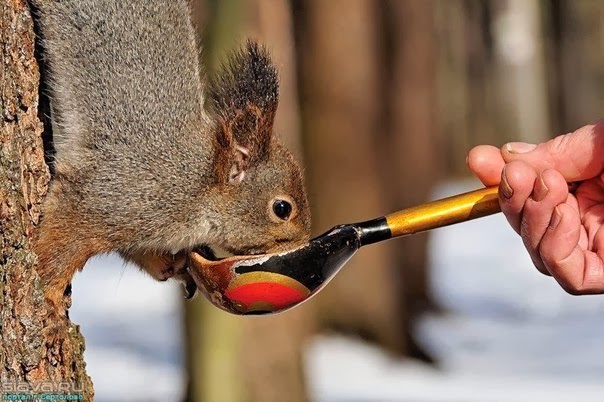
(577, 156)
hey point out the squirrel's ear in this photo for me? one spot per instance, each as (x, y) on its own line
(239, 166)
(245, 95)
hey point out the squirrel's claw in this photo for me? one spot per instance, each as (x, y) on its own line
(189, 285)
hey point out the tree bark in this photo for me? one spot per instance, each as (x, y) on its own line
(32, 358)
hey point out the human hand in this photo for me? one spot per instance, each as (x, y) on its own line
(563, 232)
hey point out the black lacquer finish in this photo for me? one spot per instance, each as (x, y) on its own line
(314, 264)
(374, 231)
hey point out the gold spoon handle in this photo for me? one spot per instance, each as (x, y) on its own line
(447, 211)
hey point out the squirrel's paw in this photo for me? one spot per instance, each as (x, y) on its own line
(164, 266)
(161, 266)
(167, 266)
(188, 283)
(58, 299)
(55, 325)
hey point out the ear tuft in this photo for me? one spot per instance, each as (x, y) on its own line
(249, 76)
(245, 95)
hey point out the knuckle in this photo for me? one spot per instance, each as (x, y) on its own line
(598, 128)
(527, 233)
(560, 152)
(560, 144)
(573, 290)
(576, 288)
(540, 266)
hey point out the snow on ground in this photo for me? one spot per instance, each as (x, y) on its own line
(509, 335)
(133, 330)
(348, 371)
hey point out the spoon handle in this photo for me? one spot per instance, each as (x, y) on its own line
(443, 212)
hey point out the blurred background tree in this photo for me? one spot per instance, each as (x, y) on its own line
(381, 99)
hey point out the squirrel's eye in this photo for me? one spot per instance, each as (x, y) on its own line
(282, 209)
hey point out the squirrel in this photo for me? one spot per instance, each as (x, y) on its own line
(151, 159)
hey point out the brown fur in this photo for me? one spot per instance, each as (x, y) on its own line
(142, 168)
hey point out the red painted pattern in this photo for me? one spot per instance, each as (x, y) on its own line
(276, 295)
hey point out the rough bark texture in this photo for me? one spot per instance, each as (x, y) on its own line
(30, 354)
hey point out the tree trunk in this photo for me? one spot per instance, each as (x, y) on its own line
(340, 54)
(263, 355)
(520, 70)
(272, 347)
(213, 337)
(581, 67)
(32, 359)
(413, 152)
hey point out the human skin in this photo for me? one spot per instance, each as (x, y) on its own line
(561, 230)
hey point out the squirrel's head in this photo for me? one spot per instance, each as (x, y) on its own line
(260, 184)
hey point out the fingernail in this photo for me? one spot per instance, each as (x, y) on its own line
(505, 189)
(556, 218)
(519, 147)
(540, 190)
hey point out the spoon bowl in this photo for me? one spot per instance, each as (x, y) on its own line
(270, 283)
